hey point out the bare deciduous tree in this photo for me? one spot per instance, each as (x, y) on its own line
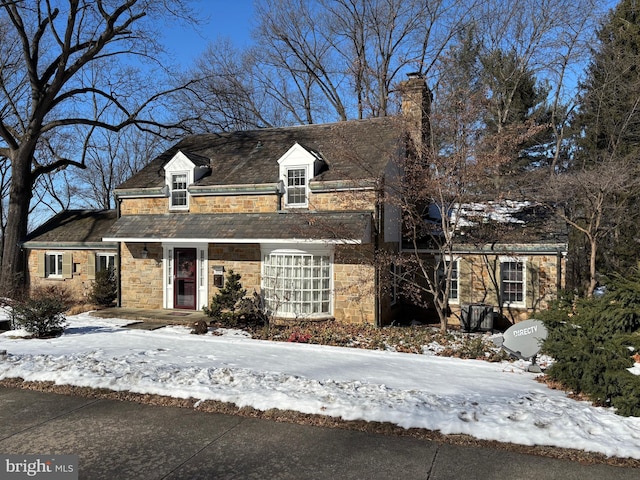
(56, 59)
(597, 196)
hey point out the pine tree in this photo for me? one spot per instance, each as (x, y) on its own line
(225, 304)
(105, 288)
(592, 340)
(609, 118)
(608, 131)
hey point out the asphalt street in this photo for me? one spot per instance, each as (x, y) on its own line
(125, 440)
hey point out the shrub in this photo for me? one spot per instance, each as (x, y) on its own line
(105, 288)
(42, 315)
(231, 306)
(591, 341)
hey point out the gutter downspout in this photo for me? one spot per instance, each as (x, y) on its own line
(376, 246)
(118, 258)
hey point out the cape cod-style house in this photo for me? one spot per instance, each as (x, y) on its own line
(299, 212)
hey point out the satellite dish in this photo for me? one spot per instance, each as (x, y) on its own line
(524, 339)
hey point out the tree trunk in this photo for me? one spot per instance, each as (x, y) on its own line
(592, 267)
(12, 273)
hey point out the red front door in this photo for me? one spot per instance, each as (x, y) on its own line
(184, 273)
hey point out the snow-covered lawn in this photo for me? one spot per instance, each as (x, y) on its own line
(493, 401)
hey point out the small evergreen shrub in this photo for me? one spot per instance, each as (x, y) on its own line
(224, 306)
(105, 288)
(592, 340)
(42, 315)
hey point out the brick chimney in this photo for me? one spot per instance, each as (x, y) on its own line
(416, 108)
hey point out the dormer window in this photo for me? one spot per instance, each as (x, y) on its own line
(179, 190)
(181, 172)
(297, 167)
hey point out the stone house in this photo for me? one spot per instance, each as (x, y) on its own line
(299, 212)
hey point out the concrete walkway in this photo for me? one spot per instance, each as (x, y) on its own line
(169, 317)
(122, 440)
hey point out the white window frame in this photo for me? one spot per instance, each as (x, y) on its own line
(298, 296)
(173, 190)
(110, 258)
(453, 300)
(59, 267)
(523, 281)
(454, 280)
(290, 188)
(298, 158)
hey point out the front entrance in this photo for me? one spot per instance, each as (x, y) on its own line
(184, 273)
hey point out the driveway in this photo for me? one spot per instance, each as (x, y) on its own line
(123, 440)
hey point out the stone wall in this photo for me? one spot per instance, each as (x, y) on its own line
(343, 201)
(330, 201)
(79, 286)
(141, 278)
(234, 204)
(242, 259)
(144, 206)
(480, 283)
(354, 284)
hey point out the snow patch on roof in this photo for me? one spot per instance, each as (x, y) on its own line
(470, 214)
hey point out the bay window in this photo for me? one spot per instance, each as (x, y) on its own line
(297, 284)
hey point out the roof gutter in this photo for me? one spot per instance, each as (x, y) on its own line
(239, 189)
(155, 192)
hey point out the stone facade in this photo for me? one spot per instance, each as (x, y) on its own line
(321, 201)
(234, 204)
(354, 284)
(479, 282)
(78, 284)
(144, 206)
(141, 278)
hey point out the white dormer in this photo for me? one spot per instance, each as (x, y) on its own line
(297, 167)
(180, 172)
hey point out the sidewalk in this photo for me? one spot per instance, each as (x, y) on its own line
(131, 441)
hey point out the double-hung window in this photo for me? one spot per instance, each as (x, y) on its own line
(296, 187)
(454, 282)
(53, 265)
(297, 284)
(105, 261)
(512, 282)
(179, 190)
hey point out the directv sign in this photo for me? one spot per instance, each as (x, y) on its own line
(524, 339)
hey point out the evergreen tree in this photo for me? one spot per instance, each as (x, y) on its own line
(609, 118)
(225, 305)
(607, 131)
(592, 341)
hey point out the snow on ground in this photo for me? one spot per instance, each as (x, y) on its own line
(492, 401)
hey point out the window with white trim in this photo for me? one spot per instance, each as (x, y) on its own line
(53, 265)
(512, 282)
(105, 261)
(297, 284)
(296, 187)
(454, 283)
(179, 190)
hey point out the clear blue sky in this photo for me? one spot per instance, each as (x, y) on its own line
(220, 18)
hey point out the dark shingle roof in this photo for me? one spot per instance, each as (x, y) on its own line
(73, 227)
(244, 227)
(353, 150)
